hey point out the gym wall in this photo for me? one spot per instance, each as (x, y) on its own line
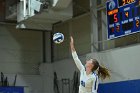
(21, 54)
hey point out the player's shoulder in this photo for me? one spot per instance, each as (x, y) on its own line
(94, 75)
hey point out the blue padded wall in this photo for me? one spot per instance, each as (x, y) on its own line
(132, 86)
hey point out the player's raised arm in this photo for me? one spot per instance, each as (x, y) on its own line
(75, 56)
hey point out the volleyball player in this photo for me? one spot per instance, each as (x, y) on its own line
(90, 73)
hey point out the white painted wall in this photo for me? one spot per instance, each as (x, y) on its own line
(20, 51)
(21, 54)
(123, 63)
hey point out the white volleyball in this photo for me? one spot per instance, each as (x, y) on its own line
(58, 38)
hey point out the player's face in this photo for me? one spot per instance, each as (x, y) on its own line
(89, 65)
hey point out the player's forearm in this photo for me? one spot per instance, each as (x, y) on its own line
(77, 61)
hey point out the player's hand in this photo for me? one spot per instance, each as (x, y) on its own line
(72, 44)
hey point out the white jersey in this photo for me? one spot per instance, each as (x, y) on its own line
(88, 83)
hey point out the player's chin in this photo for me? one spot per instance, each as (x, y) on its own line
(88, 69)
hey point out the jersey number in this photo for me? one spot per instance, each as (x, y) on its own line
(83, 83)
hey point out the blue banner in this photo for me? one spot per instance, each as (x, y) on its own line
(131, 86)
(11, 89)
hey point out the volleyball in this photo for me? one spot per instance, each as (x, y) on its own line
(58, 38)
